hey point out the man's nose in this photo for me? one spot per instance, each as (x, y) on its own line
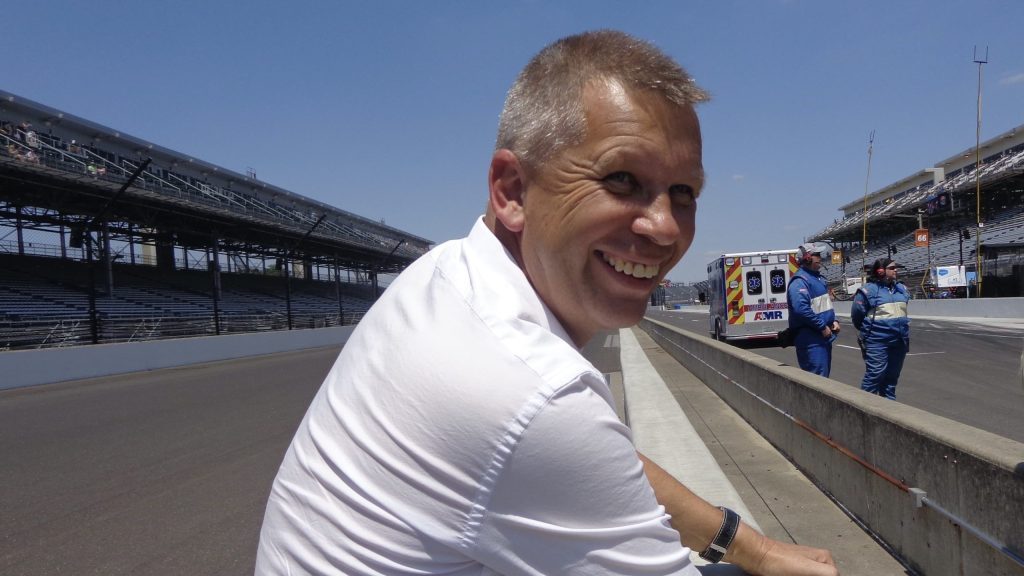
(658, 221)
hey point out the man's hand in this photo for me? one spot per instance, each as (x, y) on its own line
(780, 558)
(697, 522)
(828, 331)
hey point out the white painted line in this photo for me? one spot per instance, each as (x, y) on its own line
(908, 354)
(989, 334)
(611, 341)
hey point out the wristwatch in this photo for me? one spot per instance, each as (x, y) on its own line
(720, 544)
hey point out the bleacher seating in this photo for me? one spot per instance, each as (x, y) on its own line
(1008, 162)
(49, 296)
(46, 304)
(1004, 225)
(56, 152)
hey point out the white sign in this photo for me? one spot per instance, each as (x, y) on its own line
(853, 284)
(950, 276)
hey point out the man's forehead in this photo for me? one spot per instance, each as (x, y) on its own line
(608, 90)
(612, 94)
(613, 113)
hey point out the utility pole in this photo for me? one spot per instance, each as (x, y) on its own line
(864, 214)
(977, 170)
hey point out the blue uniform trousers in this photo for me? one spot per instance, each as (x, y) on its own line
(883, 363)
(815, 358)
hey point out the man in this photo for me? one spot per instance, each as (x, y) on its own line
(810, 312)
(460, 431)
(879, 312)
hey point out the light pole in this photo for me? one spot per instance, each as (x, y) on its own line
(977, 171)
(864, 213)
(965, 234)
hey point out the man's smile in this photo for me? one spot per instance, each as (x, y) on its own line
(634, 269)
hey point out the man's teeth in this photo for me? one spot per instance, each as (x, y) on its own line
(635, 270)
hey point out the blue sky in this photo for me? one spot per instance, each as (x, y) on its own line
(389, 109)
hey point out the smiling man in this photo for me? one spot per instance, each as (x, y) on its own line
(461, 431)
(596, 227)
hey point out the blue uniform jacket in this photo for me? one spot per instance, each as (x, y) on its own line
(810, 308)
(879, 311)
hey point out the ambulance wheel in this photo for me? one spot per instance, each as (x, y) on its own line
(718, 330)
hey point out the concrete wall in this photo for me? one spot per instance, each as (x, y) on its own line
(976, 475)
(955, 308)
(20, 368)
(958, 308)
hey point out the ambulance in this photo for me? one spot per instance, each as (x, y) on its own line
(747, 294)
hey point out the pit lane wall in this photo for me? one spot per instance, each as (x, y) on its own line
(957, 307)
(836, 434)
(19, 368)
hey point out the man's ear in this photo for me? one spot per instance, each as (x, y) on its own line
(507, 183)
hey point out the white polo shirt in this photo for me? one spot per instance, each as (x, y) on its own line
(460, 432)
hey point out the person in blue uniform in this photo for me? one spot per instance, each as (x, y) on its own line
(811, 315)
(879, 312)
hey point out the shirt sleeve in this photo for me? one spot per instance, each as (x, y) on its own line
(799, 296)
(573, 499)
(859, 309)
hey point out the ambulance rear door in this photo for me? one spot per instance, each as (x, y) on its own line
(765, 278)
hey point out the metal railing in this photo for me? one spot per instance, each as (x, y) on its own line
(42, 332)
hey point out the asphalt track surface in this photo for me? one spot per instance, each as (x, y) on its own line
(151, 473)
(155, 473)
(965, 371)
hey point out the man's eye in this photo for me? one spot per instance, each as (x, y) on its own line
(622, 182)
(683, 194)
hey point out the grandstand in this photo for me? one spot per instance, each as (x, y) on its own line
(944, 200)
(105, 237)
(676, 293)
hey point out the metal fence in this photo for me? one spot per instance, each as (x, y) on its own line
(33, 333)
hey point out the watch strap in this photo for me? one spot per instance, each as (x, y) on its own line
(726, 532)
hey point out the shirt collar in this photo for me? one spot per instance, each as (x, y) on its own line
(500, 290)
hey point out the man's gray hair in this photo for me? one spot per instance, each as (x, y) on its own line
(543, 112)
